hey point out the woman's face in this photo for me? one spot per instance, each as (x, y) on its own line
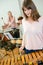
(9, 14)
(27, 12)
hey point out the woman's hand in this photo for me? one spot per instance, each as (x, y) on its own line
(21, 51)
(5, 26)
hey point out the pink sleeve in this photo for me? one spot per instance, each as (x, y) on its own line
(41, 22)
(41, 19)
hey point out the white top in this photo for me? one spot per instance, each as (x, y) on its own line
(25, 25)
(33, 34)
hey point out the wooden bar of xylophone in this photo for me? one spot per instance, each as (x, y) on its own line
(34, 58)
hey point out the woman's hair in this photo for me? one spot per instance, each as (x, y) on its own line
(30, 5)
(11, 14)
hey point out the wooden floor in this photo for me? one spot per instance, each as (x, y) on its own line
(15, 58)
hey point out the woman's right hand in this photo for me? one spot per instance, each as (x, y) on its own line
(21, 51)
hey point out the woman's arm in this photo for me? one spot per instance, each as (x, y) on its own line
(9, 24)
(23, 43)
(12, 22)
(5, 26)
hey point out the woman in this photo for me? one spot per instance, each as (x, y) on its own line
(11, 21)
(10, 24)
(33, 28)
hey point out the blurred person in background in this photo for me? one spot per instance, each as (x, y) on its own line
(11, 21)
(19, 23)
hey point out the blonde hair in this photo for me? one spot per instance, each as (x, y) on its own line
(10, 12)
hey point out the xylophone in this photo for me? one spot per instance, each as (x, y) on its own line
(11, 44)
(34, 58)
(16, 40)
